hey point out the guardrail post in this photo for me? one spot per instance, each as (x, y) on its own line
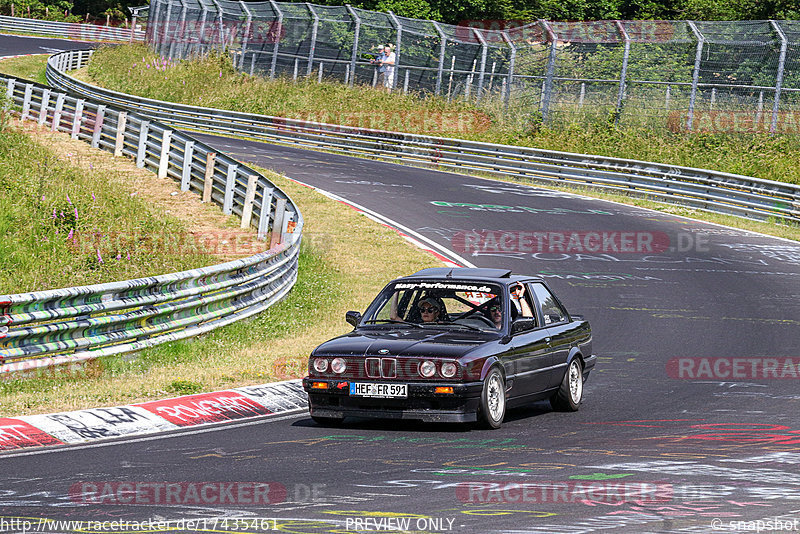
(12, 82)
(288, 222)
(551, 69)
(356, 35)
(208, 182)
(624, 71)
(26, 101)
(263, 215)
(277, 222)
(43, 108)
(78, 118)
(313, 44)
(230, 184)
(442, 51)
(57, 112)
(119, 144)
(779, 76)
(163, 161)
(484, 51)
(249, 200)
(698, 56)
(186, 172)
(144, 132)
(248, 29)
(277, 35)
(98, 125)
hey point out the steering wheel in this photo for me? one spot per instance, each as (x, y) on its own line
(480, 318)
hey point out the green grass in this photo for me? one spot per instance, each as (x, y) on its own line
(63, 227)
(27, 67)
(212, 82)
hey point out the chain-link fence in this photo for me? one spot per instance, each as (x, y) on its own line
(682, 75)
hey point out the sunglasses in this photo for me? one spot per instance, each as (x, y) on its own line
(494, 309)
(427, 309)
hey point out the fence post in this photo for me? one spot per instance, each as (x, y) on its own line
(57, 112)
(134, 16)
(122, 122)
(666, 99)
(551, 69)
(220, 14)
(26, 101)
(248, 29)
(141, 153)
(511, 62)
(44, 106)
(442, 50)
(186, 171)
(313, 45)
(98, 125)
(277, 36)
(277, 222)
(208, 182)
(319, 75)
(356, 35)
(696, 74)
(163, 161)
(263, 215)
(203, 17)
(399, 27)
(182, 29)
(230, 185)
(779, 77)
(165, 42)
(624, 72)
(76, 120)
(484, 51)
(249, 199)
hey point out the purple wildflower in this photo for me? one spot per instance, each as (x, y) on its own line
(99, 257)
(68, 200)
(69, 236)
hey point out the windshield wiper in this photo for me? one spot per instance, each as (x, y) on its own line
(449, 323)
(391, 321)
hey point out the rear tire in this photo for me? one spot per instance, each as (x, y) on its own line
(493, 400)
(570, 393)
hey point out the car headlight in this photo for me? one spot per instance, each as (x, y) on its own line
(338, 365)
(449, 369)
(427, 368)
(320, 365)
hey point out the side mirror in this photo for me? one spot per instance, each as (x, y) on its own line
(353, 317)
(522, 325)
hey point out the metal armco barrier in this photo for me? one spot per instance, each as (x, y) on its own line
(700, 189)
(73, 324)
(69, 30)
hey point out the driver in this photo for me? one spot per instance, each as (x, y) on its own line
(430, 309)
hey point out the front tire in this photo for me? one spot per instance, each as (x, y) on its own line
(570, 393)
(493, 400)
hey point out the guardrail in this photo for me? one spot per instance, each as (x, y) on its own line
(70, 30)
(700, 189)
(73, 324)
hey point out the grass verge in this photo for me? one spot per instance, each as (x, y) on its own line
(346, 258)
(27, 67)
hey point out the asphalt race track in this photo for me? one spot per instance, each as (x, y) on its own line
(689, 422)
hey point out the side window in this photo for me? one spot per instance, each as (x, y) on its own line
(522, 302)
(552, 312)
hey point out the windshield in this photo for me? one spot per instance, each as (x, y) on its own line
(471, 305)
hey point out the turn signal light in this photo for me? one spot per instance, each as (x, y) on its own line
(319, 385)
(443, 389)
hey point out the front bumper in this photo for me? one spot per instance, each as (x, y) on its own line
(422, 403)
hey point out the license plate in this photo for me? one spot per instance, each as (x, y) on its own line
(379, 390)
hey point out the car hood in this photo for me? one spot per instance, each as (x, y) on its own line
(404, 342)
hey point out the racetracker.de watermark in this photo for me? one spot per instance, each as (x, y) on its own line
(607, 492)
(726, 368)
(192, 493)
(572, 241)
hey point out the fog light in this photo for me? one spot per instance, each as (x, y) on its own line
(319, 385)
(443, 389)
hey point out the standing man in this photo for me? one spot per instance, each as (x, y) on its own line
(388, 65)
